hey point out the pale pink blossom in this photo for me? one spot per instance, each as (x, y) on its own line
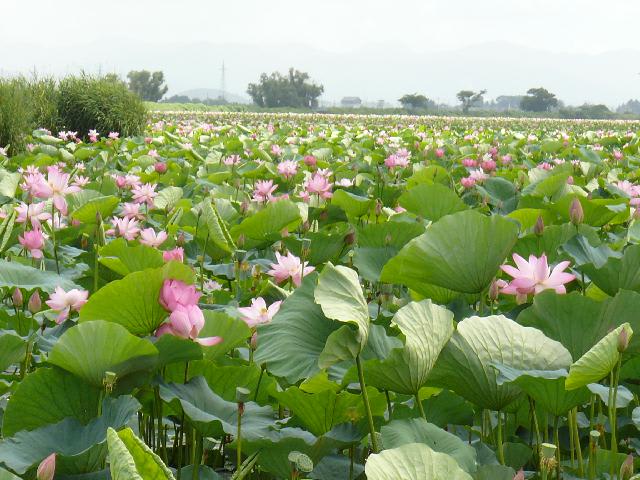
(32, 240)
(55, 186)
(317, 184)
(535, 276)
(478, 175)
(93, 136)
(263, 190)
(258, 313)
(289, 266)
(177, 254)
(114, 135)
(276, 150)
(34, 213)
(288, 168)
(149, 237)
(124, 227)
(144, 193)
(231, 160)
(65, 302)
(132, 210)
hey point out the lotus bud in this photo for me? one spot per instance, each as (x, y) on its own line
(47, 468)
(17, 298)
(494, 290)
(576, 213)
(244, 206)
(378, 209)
(350, 238)
(623, 340)
(626, 469)
(387, 239)
(253, 343)
(35, 303)
(160, 167)
(538, 228)
(241, 240)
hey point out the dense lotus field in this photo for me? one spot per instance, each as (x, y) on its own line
(243, 296)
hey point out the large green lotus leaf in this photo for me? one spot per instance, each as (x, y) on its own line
(353, 205)
(234, 333)
(124, 259)
(47, 396)
(599, 361)
(211, 415)
(431, 201)
(418, 430)
(7, 475)
(336, 467)
(16, 275)
(617, 273)
(582, 251)
(494, 472)
(340, 296)
(579, 322)
(595, 214)
(214, 230)
(269, 222)
(133, 301)
(465, 364)
(413, 461)
(429, 175)
(549, 242)
(91, 349)
(325, 245)
(131, 459)
(380, 242)
(167, 198)
(224, 380)
(173, 349)
(499, 192)
(89, 211)
(320, 412)
(294, 340)
(546, 387)
(427, 328)
(13, 348)
(461, 252)
(79, 448)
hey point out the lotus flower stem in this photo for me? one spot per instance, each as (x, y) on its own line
(53, 236)
(499, 440)
(593, 453)
(534, 419)
(389, 407)
(572, 442)
(420, 407)
(613, 396)
(576, 435)
(556, 441)
(367, 406)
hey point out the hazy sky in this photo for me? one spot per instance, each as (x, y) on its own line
(69, 29)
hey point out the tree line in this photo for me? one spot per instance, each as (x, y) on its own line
(295, 89)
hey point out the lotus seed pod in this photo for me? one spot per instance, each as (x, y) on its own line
(301, 462)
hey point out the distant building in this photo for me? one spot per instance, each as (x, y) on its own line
(351, 102)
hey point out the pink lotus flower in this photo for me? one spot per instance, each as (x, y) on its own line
(153, 153)
(124, 227)
(144, 193)
(478, 175)
(160, 167)
(93, 136)
(64, 302)
(439, 152)
(175, 293)
(33, 213)
(131, 211)
(317, 184)
(467, 182)
(121, 182)
(506, 159)
(231, 160)
(56, 186)
(177, 254)
(535, 276)
(114, 135)
(276, 150)
(310, 160)
(289, 266)
(32, 240)
(263, 190)
(469, 162)
(149, 237)
(187, 322)
(47, 468)
(288, 168)
(258, 313)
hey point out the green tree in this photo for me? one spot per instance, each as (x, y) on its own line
(468, 98)
(291, 90)
(414, 101)
(538, 100)
(149, 86)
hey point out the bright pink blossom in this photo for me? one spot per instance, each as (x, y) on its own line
(263, 190)
(177, 254)
(55, 186)
(175, 293)
(187, 322)
(535, 276)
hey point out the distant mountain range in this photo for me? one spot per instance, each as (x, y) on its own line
(377, 72)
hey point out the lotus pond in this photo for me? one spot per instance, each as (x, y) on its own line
(258, 296)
